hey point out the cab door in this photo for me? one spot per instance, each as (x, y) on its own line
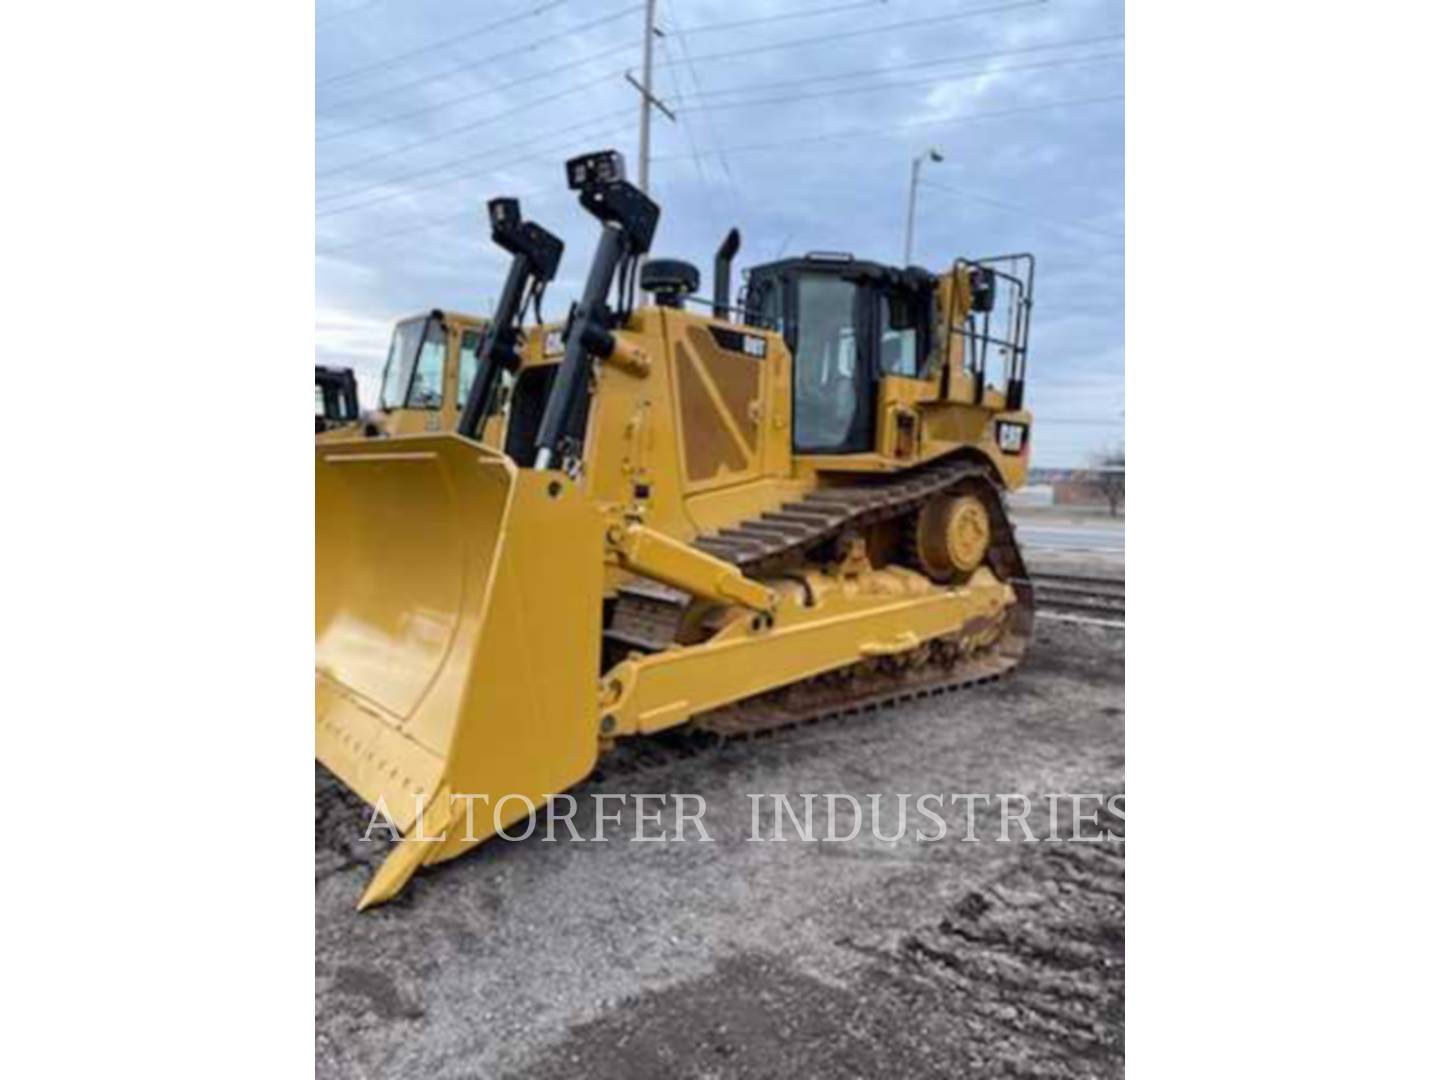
(831, 336)
(425, 392)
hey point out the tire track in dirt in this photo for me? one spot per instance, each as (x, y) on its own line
(1031, 965)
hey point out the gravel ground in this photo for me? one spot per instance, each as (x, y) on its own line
(747, 959)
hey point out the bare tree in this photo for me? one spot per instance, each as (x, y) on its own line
(1111, 472)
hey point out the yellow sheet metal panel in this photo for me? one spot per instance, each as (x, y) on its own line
(720, 395)
(704, 432)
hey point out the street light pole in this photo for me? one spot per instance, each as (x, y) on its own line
(933, 155)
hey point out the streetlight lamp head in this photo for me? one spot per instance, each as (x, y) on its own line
(933, 155)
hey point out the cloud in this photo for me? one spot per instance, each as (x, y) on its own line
(420, 243)
(348, 337)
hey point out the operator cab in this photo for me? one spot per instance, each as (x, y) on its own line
(848, 324)
(414, 375)
(430, 366)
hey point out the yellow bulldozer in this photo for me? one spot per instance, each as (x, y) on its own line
(337, 402)
(422, 388)
(433, 358)
(732, 519)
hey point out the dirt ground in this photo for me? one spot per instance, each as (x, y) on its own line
(738, 958)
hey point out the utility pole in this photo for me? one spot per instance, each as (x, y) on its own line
(933, 155)
(647, 95)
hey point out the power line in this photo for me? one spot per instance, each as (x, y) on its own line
(396, 58)
(1015, 208)
(702, 106)
(718, 149)
(829, 9)
(691, 60)
(912, 65)
(409, 230)
(871, 31)
(444, 166)
(471, 65)
(699, 93)
(494, 153)
(680, 39)
(805, 13)
(548, 73)
(899, 128)
(681, 107)
(354, 9)
(929, 81)
(440, 136)
(425, 226)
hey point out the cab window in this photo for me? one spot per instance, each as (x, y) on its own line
(767, 310)
(469, 363)
(427, 388)
(827, 392)
(400, 363)
(899, 335)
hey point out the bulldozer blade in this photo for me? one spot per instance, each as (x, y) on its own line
(457, 638)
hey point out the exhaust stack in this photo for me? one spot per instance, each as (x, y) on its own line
(723, 256)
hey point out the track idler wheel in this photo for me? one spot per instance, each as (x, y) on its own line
(952, 537)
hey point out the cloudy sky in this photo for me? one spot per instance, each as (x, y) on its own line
(796, 120)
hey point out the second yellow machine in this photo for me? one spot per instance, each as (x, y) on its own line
(433, 358)
(733, 519)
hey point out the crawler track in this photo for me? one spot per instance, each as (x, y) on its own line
(648, 618)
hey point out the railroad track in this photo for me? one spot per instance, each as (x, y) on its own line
(1082, 595)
